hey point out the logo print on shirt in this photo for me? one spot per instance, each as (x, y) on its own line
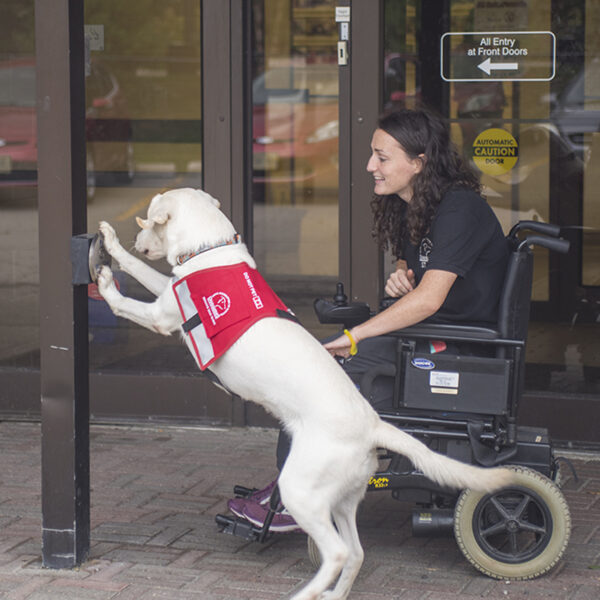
(217, 305)
(424, 251)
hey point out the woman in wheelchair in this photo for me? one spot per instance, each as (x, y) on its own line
(451, 251)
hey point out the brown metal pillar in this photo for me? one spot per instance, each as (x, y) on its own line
(63, 318)
(365, 105)
(216, 100)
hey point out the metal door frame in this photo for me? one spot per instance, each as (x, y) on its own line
(225, 30)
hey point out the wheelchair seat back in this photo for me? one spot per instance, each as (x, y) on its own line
(488, 379)
(513, 308)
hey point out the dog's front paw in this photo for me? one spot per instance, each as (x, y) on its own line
(105, 281)
(110, 239)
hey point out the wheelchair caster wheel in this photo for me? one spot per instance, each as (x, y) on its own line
(519, 532)
(313, 553)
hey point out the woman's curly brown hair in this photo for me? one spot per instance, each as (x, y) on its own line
(419, 132)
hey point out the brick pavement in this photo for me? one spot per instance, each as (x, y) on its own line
(154, 496)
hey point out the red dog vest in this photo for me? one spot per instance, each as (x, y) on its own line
(218, 305)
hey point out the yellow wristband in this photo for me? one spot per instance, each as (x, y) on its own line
(353, 348)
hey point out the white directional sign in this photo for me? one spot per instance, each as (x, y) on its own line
(498, 56)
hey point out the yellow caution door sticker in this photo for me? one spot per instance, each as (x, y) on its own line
(495, 151)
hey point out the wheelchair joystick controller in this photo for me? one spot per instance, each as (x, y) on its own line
(340, 311)
(340, 298)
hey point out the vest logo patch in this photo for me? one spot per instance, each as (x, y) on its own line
(217, 305)
(256, 299)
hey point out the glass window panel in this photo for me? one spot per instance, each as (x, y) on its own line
(555, 126)
(144, 135)
(590, 80)
(19, 273)
(591, 213)
(522, 109)
(295, 150)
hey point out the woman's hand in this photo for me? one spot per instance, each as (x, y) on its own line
(339, 347)
(400, 282)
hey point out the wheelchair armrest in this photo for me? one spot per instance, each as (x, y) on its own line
(449, 332)
(455, 333)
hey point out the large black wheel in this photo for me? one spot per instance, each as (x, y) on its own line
(518, 532)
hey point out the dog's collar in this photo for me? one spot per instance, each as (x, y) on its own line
(237, 239)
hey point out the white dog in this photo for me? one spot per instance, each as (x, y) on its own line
(278, 364)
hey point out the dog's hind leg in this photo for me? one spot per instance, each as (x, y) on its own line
(344, 516)
(312, 513)
(334, 555)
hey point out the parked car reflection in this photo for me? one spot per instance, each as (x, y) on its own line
(296, 125)
(18, 147)
(108, 128)
(296, 128)
(401, 81)
(576, 110)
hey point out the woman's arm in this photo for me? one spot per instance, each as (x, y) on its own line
(417, 305)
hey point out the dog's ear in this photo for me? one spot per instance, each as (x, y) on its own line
(143, 223)
(158, 212)
(161, 217)
(213, 200)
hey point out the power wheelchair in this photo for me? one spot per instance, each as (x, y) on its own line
(466, 406)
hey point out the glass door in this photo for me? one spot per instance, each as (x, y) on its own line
(519, 87)
(144, 135)
(295, 150)
(19, 275)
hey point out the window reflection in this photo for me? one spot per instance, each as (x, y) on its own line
(295, 149)
(555, 178)
(144, 135)
(19, 273)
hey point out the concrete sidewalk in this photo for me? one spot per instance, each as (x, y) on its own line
(154, 496)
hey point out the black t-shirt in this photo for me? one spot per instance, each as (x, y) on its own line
(465, 238)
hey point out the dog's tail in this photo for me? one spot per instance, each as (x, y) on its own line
(441, 469)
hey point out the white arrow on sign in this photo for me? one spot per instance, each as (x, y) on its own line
(487, 66)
